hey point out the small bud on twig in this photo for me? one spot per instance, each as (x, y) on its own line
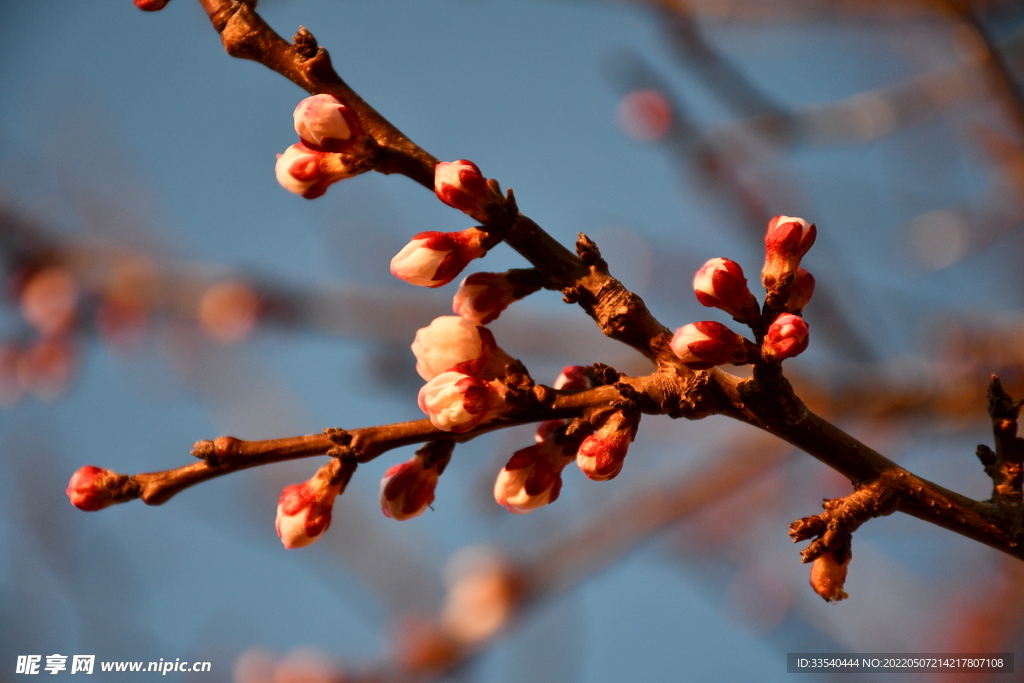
(786, 242)
(462, 186)
(787, 337)
(720, 284)
(705, 344)
(433, 259)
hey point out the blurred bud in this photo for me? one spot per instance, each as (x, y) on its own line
(645, 115)
(308, 172)
(457, 403)
(482, 596)
(786, 242)
(46, 367)
(49, 299)
(304, 510)
(828, 576)
(533, 477)
(308, 665)
(601, 454)
(408, 489)
(433, 259)
(705, 344)
(720, 284)
(150, 5)
(421, 646)
(89, 488)
(462, 186)
(10, 386)
(228, 311)
(787, 337)
(326, 124)
(451, 341)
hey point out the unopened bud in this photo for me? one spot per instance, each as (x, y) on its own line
(150, 5)
(483, 296)
(453, 342)
(89, 488)
(786, 242)
(308, 172)
(787, 337)
(408, 489)
(433, 259)
(720, 284)
(462, 186)
(304, 510)
(532, 478)
(572, 378)
(705, 344)
(326, 124)
(828, 576)
(456, 402)
(803, 290)
(601, 454)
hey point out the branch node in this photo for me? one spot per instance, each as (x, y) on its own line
(588, 252)
(305, 44)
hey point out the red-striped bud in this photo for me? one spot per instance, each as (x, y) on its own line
(720, 284)
(787, 337)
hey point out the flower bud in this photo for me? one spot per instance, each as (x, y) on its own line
(483, 296)
(828, 576)
(462, 186)
(532, 478)
(304, 510)
(49, 299)
(408, 489)
(705, 344)
(450, 341)
(601, 454)
(787, 337)
(456, 402)
(483, 594)
(433, 259)
(803, 290)
(308, 172)
(720, 284)
(572, 378)
(150, 5)
(89, 488)
(786, 242)
(326, 124)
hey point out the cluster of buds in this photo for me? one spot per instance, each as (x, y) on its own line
(407, 489)
(331, 143)
(464, 369)
(720, 283)
(304, 510)
(433, 259)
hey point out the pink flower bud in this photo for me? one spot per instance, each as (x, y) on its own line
(450, 341)
(483, 296)
(308, 172)
(601, 454)
(786, 242)
(326, 124)
(803, 290)
(787, 337)
(304, 512)
(456, 402)
(532, 478)
(408, 489)
(720, 284)
(89, 488)
(572, 378)
(828, 576)
(462, 186)
(150, 5)
(705, 344)
(433, 259)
